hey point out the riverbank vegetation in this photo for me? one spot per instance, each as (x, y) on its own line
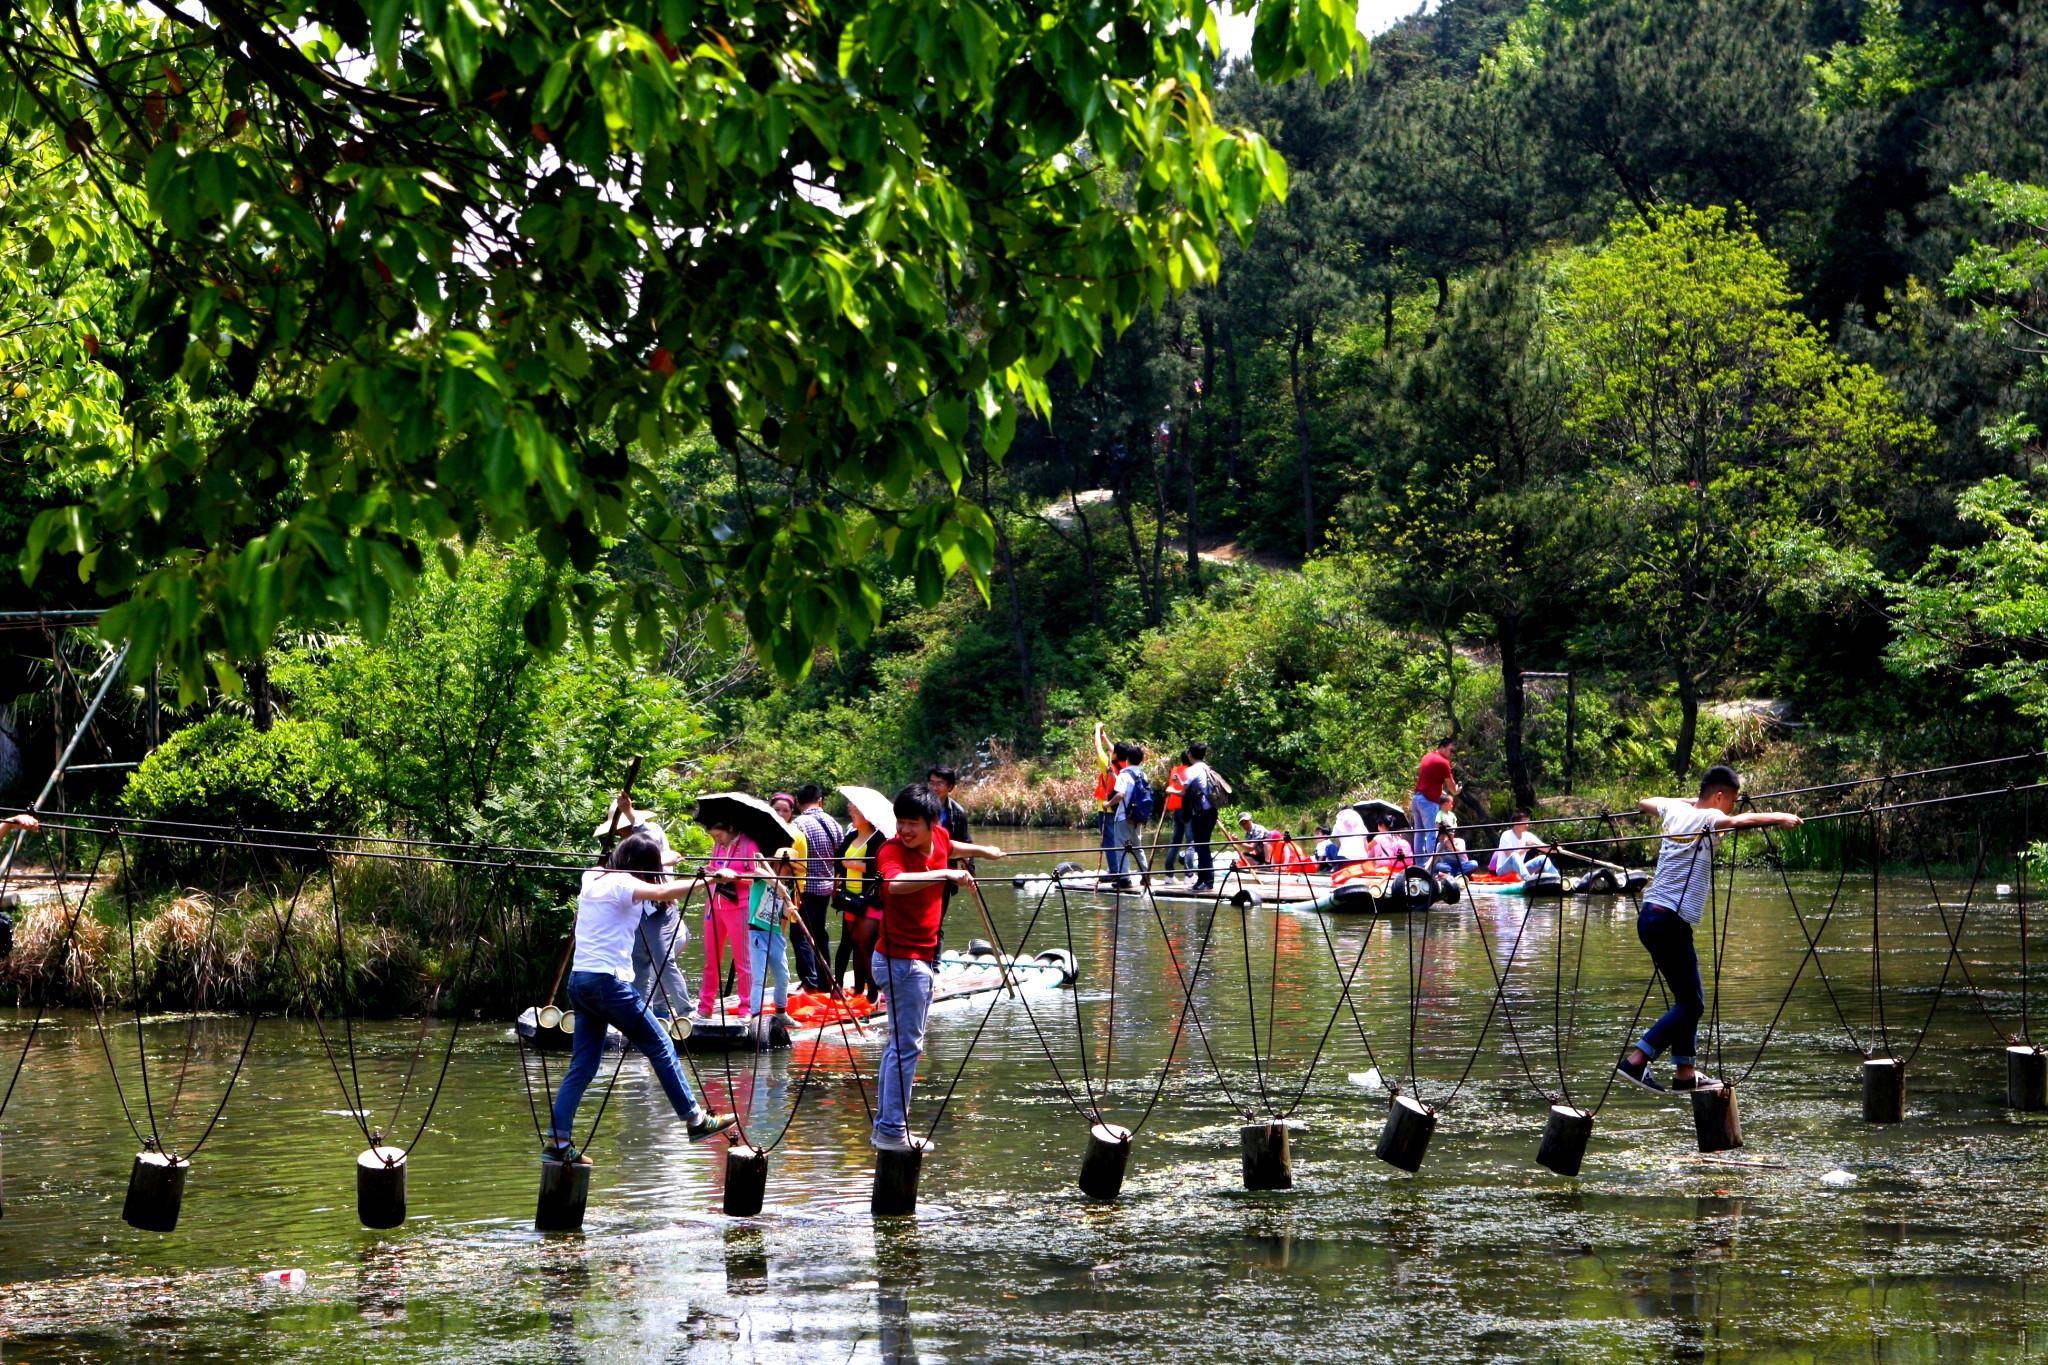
(1685, 349)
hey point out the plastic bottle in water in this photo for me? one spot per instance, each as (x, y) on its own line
(293, 1278)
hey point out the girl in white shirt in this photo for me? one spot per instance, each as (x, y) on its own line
(608, 918)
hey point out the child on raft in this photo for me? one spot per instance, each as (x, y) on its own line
(1672, 906)
(608, 916)
(915, 875)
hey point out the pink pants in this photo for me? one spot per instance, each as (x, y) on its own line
(725, 929)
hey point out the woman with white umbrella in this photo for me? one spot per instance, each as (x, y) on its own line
(859, 897)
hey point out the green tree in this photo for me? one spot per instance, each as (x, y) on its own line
(1981, 610)
(1708, 101)
(1481, 517)
(1730, 449)
(472, 267)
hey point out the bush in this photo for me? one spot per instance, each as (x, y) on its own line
(295, 775)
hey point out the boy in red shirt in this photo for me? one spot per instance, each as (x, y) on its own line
(915, 875)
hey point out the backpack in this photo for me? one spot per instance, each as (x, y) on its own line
(1138, 805)
(1198, 794)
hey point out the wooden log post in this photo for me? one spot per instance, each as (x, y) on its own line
(1104, 1164)
(1715, 1120)
(380, 1187)
(1268, 1164)
(1564, 1140)
(1405, 1139)
(156, 1191)
(2026, 1078)
(564, 1193)
(895, 1192)
(1884, 1090)
(746, 1181)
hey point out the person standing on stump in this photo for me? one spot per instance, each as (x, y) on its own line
(822, 837)
(1673, 904)
(609, 915)
(916, 871)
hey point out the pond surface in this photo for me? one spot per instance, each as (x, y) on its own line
(1935, 1252)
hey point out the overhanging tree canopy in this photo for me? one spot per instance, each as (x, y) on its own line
(416, 274)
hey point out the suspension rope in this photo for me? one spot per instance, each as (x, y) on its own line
(59, 957)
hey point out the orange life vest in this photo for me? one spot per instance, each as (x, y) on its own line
(1176, 782)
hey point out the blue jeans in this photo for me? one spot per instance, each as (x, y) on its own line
(907, 981)
(1669, 940)
(1178, 854)
(660, 936)
(1425, 812)
(767, 950)
(599, 999)
(1126, 842)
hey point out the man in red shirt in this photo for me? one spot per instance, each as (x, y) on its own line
(915, 873)
(1435, 788)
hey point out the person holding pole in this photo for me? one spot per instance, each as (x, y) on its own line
(1672, 907)
(915, 870)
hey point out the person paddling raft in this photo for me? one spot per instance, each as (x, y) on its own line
(1672, 906)
(609, 916)
(915, 874)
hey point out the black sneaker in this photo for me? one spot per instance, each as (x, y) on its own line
(712, 1125)
(564, 1153)
(1696, 1081)
(1638, 1074)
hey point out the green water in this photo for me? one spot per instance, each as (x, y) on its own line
(1936, 1253)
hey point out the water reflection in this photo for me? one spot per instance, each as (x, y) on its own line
(1650, 1252)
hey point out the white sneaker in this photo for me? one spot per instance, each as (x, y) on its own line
(901, 1144)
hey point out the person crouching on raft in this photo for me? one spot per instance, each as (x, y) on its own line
(608, 915)
(915, 875)
(1672, 906)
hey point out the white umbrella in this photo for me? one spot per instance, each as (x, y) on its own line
(877, 809)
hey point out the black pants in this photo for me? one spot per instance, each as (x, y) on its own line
(814, 969)
(1669, 940)
(856, 946)
(1202, 829)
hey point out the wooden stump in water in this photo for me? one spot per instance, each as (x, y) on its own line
(1715, 1120)
(1884, 1090)
(1405, 1139)
(746, 1181)
(1268, 1164)
(2026, 1078)
(564, 1191)
(1107, 1159)
(380, 1187)
(895, 1193)
(156, 1192)
(1564, 1140)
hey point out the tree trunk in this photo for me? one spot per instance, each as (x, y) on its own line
(1158, 462)
(1507, 637)
(263, 705)
(1020, 642)
(1688, 723)
(1187, 449)
(1300, 379)
(1233, 435)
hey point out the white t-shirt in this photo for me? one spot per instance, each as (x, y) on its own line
(1348, 829)
(607, 917)
(1512, 842)
(1685, 860)
(1199, 772)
